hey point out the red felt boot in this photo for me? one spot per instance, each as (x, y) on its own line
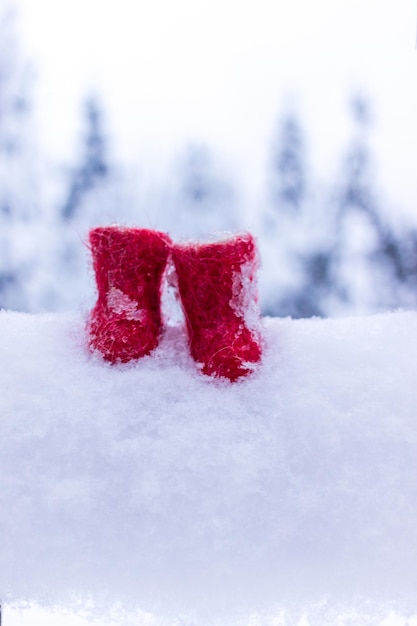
(128, 263)
(216, 282)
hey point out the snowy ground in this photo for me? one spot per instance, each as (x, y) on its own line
(151, 495)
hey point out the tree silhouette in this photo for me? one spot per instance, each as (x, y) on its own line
(288, 165)
(18, 201)
(93, 167)
(390, 258)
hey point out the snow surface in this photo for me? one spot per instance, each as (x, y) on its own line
(148, 494)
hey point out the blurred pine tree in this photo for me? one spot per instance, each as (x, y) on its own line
(93, 167)
(19, 202)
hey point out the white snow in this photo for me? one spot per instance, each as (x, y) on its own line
(151, 495)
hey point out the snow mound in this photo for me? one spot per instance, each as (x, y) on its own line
(154, 488)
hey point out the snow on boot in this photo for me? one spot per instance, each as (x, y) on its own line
(126, 321)
(217, 287)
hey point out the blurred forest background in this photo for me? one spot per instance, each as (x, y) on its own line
(328, 247)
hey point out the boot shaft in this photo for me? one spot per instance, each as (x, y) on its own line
(217, 280)
(129, 261)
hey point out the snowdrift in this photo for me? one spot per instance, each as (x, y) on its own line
(289, 497)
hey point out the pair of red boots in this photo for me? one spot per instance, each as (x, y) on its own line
(216, 284)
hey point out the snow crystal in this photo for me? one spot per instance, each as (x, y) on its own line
(244, 301)
(120, 303)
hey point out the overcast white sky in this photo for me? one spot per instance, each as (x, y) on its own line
(221, 71)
